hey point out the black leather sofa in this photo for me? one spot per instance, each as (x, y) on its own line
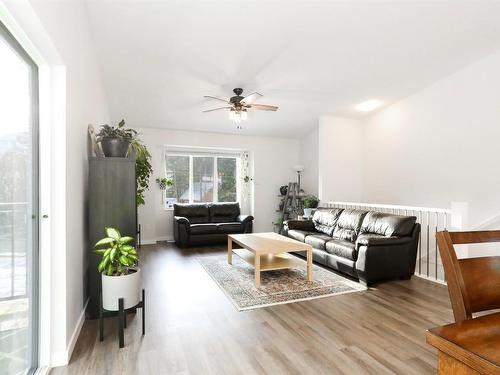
(208, 223)
(367, 245)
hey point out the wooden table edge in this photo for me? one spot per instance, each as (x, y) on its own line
(246, 246)
(468, 358)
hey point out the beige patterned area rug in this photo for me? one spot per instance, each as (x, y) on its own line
(277, 287)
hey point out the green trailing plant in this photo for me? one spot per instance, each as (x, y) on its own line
(164, 182)
(310, 201)
(143, 168)
(118, 255)
(119, 131)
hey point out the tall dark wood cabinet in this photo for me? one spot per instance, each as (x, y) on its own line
(112, 203)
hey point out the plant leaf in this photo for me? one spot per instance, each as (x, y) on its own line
(113, 233)
(104, 241)
(124, 260)
(126, 239)
(101, 266)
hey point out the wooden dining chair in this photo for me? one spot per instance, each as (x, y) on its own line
(473, 283)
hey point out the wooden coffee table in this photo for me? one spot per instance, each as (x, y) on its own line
(269, 251)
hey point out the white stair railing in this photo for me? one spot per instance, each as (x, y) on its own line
(432, 220)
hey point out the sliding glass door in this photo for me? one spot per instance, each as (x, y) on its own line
(18, 208)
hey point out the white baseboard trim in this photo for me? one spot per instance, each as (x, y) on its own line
(155, 240)
(62, 358)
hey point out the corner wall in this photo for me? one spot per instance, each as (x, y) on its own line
(308, 157)
(340, 158)
(439, 145)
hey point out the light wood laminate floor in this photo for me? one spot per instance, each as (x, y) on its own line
(192, 328)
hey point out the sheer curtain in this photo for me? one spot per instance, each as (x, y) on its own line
(247, 181)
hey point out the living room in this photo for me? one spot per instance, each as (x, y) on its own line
(299, 187)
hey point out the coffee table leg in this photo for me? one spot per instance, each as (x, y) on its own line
(309, 265)
(257, 270)
(229, 251)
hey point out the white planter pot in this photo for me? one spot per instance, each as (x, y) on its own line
(308, 212)
(127, 287)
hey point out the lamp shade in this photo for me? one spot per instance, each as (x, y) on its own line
(298, 168)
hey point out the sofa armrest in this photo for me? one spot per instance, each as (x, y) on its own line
(376, 240)
(181, 231)
(182, 220)
(307, 225)
(244, 218)
(385, 258)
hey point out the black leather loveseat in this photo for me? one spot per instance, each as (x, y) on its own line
(208, 223)
(368, 245)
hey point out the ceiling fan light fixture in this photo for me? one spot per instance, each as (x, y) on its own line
(239, 105)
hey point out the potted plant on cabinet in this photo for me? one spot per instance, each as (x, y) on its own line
(115, 141)
(120, 275)
(310, 202)
(121, 142)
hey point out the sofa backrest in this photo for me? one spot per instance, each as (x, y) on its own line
(388, 225)
(195, 213)
(324, 220)
(348, 225)
(223, 212)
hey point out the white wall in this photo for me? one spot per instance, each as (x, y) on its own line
(273, 160)
(67, 25)
(439, 145)
(308, 156)
(340, 146)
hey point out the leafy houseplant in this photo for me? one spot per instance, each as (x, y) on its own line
(310, 202)
(118, 267)
(115, 141)
(117, 255)
(143, 168)
(164, 182)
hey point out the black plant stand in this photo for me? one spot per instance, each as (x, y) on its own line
(122, 318)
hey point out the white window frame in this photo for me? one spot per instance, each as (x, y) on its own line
(215, 154)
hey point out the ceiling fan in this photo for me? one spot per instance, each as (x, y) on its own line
(239, 105)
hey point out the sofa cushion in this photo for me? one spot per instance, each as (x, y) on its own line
(388, 224)
(318, 241)
(324, 220)
(348, 225)
(234, 227)
(206, 228)
(299, 235)
(195, 213)
(224, 212)
(342, 248)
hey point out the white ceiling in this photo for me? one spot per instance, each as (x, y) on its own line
(158, 58)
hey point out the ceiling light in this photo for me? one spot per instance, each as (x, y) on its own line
(368, 106)
(238, 115)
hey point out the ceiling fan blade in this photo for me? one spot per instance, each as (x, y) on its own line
(216, 109)
(216, 98)
(249, 99)
(264, 107)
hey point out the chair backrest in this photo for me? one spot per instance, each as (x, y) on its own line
(473, 283)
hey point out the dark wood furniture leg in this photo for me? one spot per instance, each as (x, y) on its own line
(101, 322)
(143, 312)
(121, 314)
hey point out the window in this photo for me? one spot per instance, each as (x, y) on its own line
(198, 178)
(18, 208)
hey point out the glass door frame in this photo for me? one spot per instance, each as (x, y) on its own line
(33, 290)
